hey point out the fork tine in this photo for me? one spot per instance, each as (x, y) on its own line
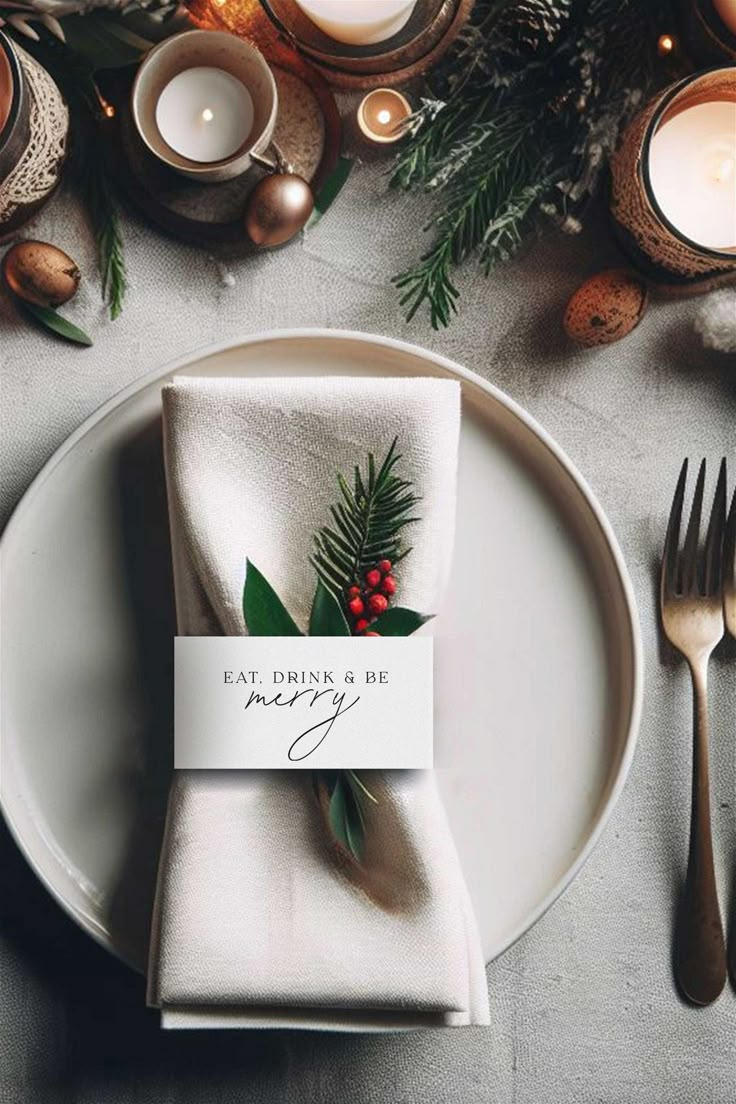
(714, 539)
(729, 560)
(672, 540)
(690, 547)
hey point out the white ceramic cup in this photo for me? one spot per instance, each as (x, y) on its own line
(220, 50)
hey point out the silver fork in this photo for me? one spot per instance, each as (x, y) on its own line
(692, 616)
(729, 615)
(729, 569)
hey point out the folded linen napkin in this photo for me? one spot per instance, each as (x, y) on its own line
(255, 922)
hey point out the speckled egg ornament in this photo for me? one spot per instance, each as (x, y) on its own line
(605, 308)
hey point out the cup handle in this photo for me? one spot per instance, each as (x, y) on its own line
(277, 163)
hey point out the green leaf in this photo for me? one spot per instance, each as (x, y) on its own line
(399, 622)
(264, 612)
(103, 41)
(52, 321)
(346, 816)
(330, 190)
(327, 619)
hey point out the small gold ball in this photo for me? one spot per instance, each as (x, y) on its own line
(605, 308)
(39, 273)
(665, 45)
(277, 209)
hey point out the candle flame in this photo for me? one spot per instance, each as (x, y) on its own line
(721, 164)
(208, 115)
(665, 44)
(384, 116)
(724, 171)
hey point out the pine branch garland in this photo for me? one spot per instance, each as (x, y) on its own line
(514, 140)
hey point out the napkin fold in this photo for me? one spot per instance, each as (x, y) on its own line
(255, 922)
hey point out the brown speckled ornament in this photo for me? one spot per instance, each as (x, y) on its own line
(278, 207)
(39, 273)
(605, 308)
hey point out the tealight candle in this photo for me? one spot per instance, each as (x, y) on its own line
(358, 22)
(205, 103)
(726, 11)
(205, 114)
(692, 172)
(673, 184)
(383, 115)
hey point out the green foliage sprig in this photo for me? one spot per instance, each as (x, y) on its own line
(510, 140)
(368, 523)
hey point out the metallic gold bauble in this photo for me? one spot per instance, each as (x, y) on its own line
(278, 207)
(40, 273)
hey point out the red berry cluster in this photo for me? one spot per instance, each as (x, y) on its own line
(367, 602)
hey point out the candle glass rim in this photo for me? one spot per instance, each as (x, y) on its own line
(666, 100)
(400, 129)
(16, 74)
(179, 162)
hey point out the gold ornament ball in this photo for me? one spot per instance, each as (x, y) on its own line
(605, 308)
(40, 273)
(278, 208)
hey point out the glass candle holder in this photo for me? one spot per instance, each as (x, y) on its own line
(673, 183)
(34, 124)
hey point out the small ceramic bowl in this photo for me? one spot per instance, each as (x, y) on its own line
(221, 51)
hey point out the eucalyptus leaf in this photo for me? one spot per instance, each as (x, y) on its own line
(399, 622)
(336, 813)
(346, 817)
(327, 619)
(265, 614)
(103, 41)
(54, 322)
(330, 190)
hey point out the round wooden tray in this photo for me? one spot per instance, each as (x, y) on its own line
(308, 132)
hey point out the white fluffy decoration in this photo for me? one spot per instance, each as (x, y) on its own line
(716, 322)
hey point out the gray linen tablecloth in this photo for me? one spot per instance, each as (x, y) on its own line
(583, 1007)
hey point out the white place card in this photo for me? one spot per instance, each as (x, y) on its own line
(244, 702)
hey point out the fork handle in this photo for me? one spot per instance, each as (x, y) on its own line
(700, 956)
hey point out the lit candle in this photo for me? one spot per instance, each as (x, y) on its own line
(205, 103)
(726, 11)
(692, 172)
(358, 22)
(383, 115)
(205, 114)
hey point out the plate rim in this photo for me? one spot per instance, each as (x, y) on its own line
(453, 368)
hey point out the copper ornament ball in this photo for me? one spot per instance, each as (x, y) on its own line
(278, 208)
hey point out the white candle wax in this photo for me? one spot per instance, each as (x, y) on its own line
(692, 169)
(205, 114)
(726, 10)
(358, 22)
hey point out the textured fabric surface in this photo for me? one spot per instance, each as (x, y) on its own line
(584, 1010)
(255, 922)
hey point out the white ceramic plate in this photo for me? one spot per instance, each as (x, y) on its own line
(538, 655)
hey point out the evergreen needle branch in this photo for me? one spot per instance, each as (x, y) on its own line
(524, 113)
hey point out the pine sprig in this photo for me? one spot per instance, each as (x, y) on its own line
(512, 141)
(104, 216)
(367, 524)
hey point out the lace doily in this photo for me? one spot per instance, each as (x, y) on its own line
(38, 170)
